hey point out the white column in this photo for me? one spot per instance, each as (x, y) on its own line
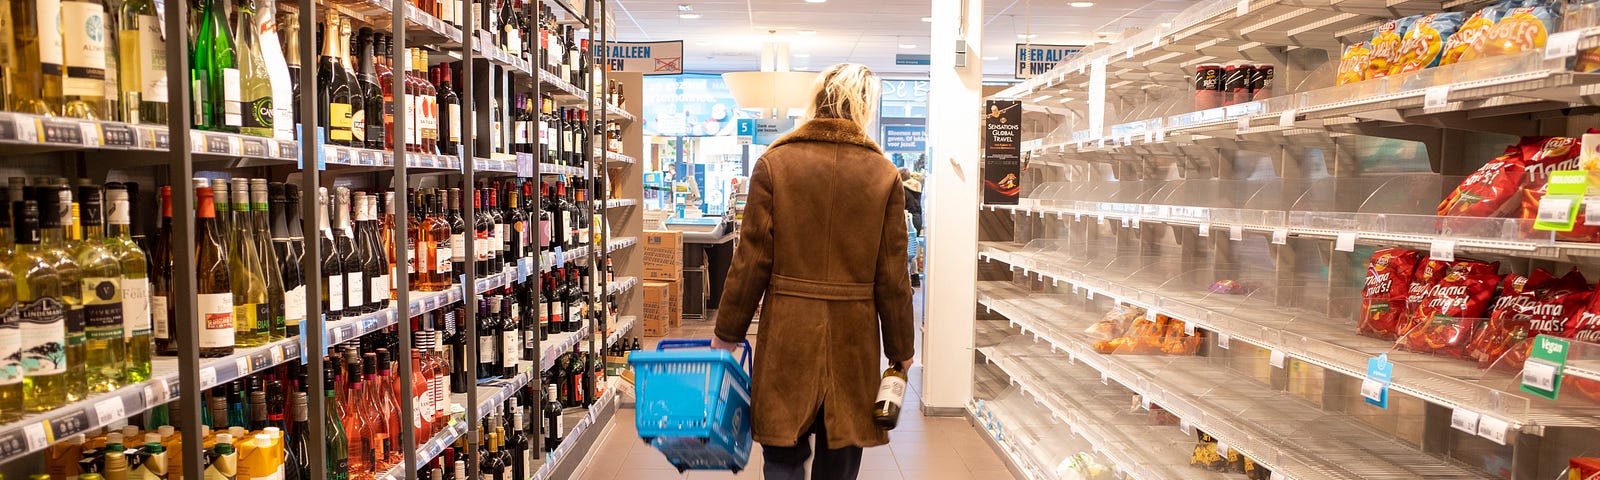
(952, 194)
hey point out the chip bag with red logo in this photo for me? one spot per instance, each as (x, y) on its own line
(1521, 29)
(1353, 63)
(1428, 273)
(1489, 192)
(1516, 292)
(1471, 32)
(1463, 290)
(1383, 296)
(1384, 59)
(1424, 42)
(1550, 155)
(1558, 306)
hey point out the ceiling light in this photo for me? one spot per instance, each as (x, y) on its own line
(816, 1)
(1027, 36)
(802, 55)
(689, 15)
(807, 32)
(990, 58)
(908, 46)
(1166, 24)
(927, 19)
(1081, 4)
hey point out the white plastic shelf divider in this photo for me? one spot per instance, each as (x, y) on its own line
(1274, 427)
(1317, 340)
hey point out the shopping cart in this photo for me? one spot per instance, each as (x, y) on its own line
(694, 405)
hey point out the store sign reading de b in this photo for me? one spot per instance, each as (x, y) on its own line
(1002, 152)
(1033, 59)
(649, 58)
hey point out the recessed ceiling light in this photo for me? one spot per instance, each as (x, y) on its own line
(908, 46)
(816, 1)
(927, 19)
(1027, 36)
(802, 55)
(1166, 24)
(689, 15)
(990, 58)
(1081, 4)
(807, 32)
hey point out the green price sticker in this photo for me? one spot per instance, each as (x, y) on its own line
(1558, 210)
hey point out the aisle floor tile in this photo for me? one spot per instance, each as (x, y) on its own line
(920, 448)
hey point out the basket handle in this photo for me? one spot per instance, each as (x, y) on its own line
(744, 360)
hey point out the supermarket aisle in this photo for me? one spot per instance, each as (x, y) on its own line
(921, 448)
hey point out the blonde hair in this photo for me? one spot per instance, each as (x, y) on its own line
(848, 91)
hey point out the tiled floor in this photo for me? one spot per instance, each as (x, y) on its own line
(921, 448)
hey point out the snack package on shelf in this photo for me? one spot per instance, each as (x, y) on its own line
(1583, 14)
(1521, 29)
(1472, 32)
(1557, 305)
(1583, 468)
(1506, 325)
(1463, 290)
(1494, 190)
(1550, 155)
(1383, 297)
(1207, 87)
(1144, 336)
(1353, 63)
(1424, 42)
(1441, 335)
(1384, 58)
(1115, 322)
(1205, 454)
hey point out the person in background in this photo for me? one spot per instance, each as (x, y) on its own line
(824, 241)
(912, 182)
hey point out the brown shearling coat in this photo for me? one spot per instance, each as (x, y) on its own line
(824, 240)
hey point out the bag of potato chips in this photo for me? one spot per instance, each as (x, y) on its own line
(1425, 40)
(1384, 60)
(1520, 30)
(1471, 32)
(1353, 63)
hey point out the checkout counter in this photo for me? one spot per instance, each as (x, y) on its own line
(707, 254)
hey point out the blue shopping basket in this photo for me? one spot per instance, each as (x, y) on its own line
(694, 405)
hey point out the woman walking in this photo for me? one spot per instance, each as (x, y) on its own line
(824, 242)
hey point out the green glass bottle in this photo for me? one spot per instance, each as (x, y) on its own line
(135, 281)
(105, 348)
(55, 214)
(338, 446)
(255, 86)
(42, 315)
(214, 73)
(252, 315)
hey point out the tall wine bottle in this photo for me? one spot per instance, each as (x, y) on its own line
(333, 305)
(334, 118)
(42, 315)
(270, 44)
(355, 297)
(268, 260)
(55, 206)
(161, 318)
(36, 74)
(83, 40)
(105, 348)
(255, 83)
(286, 256)
(213, 284)
(143, 64)
(135, 282)
(214, 73)
(251, 316)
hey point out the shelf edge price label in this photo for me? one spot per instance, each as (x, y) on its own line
(1562, 45)
(37, 435)
(1205, 229)
(1222, 448)
(1223, 340)
(1464, 420)
(1493, 429)
(1375, 387)
(208, 377)
(1345, 242)
(1443, 250)
(1236, 233)
(1541, 375)
(1276, 359)
(110, 410)
(1436, 97)
(1280, 236)
(1244, 124)
(1286, 119)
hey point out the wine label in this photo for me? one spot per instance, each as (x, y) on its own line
(458, 252)
(380, 289)
(892, 390)
(442, 258)
(259, 113)
(358, 122)
(75, 324)
(294, 305)
(411, 257)
(10, 346)
(486, 349)
(499, 241)
(102, 307)
(216, 320)
(232, 98)
(263, 317)
(135, 307)
(356, 295)
(510, 346)
(83, 37)
(335, 292)
(48, 19)
(159, 316)
(339, 121)
(455, 122)
(44, 336)
(152, 62)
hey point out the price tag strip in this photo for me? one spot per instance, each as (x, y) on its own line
(1375, 387)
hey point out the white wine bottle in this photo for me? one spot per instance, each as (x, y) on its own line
(891, 395)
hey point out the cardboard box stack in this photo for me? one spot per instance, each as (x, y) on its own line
(663, 274)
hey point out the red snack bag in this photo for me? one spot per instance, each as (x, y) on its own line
(1428, 273)
(1463, 291)
(1383, 297)
(1442, 335)
(1491, 191)
(1546, 155)
(1581, 231)
(1557, 307)
(1501, 331)
(1583, 468)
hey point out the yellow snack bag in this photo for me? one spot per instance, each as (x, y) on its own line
(1471, 33)
(1425, 40)
(1353, 63)
(1383, 60)
(1522, 29)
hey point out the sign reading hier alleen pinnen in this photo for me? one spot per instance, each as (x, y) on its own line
(649, 58)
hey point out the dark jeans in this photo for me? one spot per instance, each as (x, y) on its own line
(789, 463)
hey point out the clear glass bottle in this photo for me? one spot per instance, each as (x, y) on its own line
(255, 80)
(143, 64)
(37, 73)
(136, 306)
(270, 262)
(42, 315)
(83, 40)
(251, 315)
(105, 347)
(55, 207)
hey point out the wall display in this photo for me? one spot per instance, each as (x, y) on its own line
(1002, 152)
(690, 105)
(905, 138)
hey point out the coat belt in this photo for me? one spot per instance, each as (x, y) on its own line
(799, 287)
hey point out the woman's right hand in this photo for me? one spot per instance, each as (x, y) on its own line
(717, 342)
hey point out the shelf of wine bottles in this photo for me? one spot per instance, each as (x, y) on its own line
(584, 431)
(45, 133)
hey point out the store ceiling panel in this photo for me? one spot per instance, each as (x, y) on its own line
(728, 34)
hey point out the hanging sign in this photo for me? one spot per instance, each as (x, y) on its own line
(1034, 60)
(649, 58)
(1002, 152)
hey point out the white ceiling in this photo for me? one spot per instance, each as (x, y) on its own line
(729, 33)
